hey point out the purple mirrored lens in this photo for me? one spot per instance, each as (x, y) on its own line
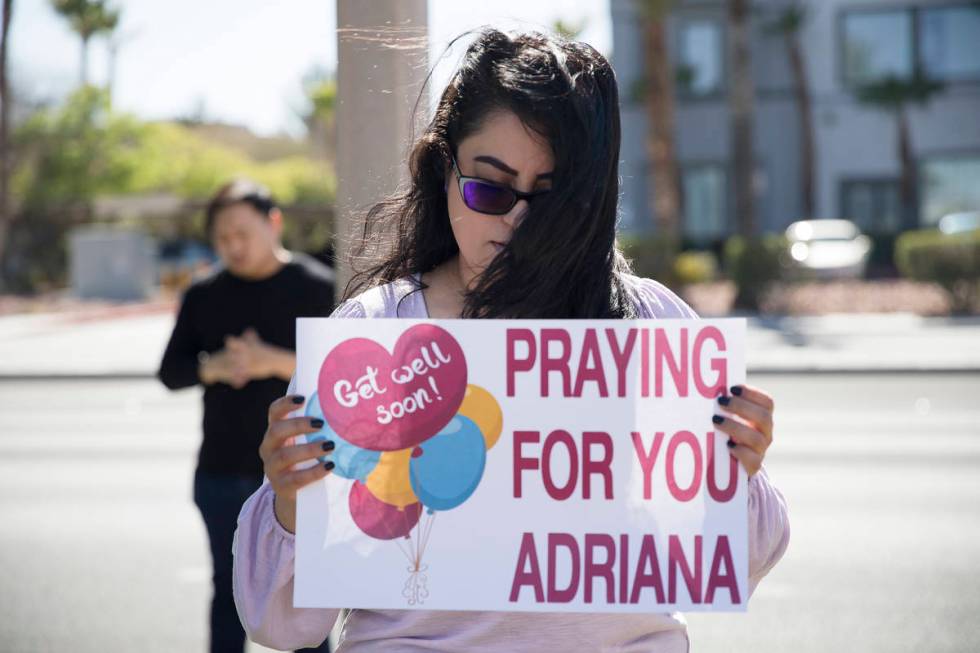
(486, 198)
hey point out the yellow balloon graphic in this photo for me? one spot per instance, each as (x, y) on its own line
(389, 481)
(480, 406)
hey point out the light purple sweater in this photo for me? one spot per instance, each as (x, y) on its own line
(264, 553)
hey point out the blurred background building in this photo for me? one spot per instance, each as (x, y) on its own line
(740, 118)
(809, 63)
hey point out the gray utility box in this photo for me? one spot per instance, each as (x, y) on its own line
(115, 264)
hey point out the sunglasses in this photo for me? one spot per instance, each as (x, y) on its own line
(485, 196)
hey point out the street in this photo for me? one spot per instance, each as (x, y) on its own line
(102, 549)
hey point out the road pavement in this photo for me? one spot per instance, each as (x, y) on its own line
(102, 549)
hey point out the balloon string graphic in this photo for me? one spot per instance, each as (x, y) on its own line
(418, 544)
(415, 589)
(406, 552)
(429, 520)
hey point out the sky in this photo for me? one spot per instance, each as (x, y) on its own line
(242, 61)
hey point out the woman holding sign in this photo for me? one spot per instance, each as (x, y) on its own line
(511, 213)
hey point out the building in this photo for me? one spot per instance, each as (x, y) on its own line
(844, 42)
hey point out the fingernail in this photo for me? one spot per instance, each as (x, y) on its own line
(328, 465)
(316, 423)
(328, 445)
(298, 399)
(731, 444)
(717, 419)
(723, 400)
(736, 390)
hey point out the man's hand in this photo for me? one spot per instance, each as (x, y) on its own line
(221, 367)
(258, 359)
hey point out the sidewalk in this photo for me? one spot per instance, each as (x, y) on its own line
(128, 342)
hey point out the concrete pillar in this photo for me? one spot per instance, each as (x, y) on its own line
(381, 64)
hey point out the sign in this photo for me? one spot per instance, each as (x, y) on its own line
(522, 465)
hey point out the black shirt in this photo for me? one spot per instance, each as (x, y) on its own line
(222, 305)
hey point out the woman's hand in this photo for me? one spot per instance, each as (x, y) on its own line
(280, 456)
(749, 425)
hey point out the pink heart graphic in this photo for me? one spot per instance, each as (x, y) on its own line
(364, 404)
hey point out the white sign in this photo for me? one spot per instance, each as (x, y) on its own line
(522, 465)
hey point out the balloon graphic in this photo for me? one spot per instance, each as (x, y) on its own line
(379, 519)
(446, 469)
(480, 406)
(350, 460)
(389, 481)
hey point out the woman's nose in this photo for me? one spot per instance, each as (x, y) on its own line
(516, 214)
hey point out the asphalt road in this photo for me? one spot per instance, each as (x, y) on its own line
(101, 548)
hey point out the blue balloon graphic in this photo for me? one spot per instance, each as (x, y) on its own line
(350, 461)
(450, 465)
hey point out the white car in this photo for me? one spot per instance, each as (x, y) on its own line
(829, 249)
(958, 223)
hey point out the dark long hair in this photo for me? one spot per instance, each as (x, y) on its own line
(562, 260)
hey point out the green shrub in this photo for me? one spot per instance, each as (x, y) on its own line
(652, 256)
(952, 261)
(695, 267)
(753, 264)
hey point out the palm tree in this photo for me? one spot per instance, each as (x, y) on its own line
(87, 18)
(566, 29)
(741, 102)
(6, 105)
(658, 85)
(787, 25)
(894, 95)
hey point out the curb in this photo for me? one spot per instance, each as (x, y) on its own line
(763, 371)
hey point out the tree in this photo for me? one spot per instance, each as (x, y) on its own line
(74, 154)
(741, 100)
(87, 18)
(66, 158)
(894, 95)
(6, 214)
(320, 114)
(787, 25)
(658, 88)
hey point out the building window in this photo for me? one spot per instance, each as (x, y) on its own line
(949, 42)
(940, 42)
(699, 70)
(877, 44)
(703, 187)
(874, 205)
(948, 185)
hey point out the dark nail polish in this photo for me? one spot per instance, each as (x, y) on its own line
(328, 445)
(724, 401)
(717, 419)
(316, 423)
(737, 390)
(298, 399)
(328, 465)
(731, 444)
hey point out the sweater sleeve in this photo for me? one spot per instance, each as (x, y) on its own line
(264, 557)
(263, 581)
(655, 300)
(179, 367)
(768, 527)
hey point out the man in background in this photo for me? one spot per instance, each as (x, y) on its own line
(236, 335)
